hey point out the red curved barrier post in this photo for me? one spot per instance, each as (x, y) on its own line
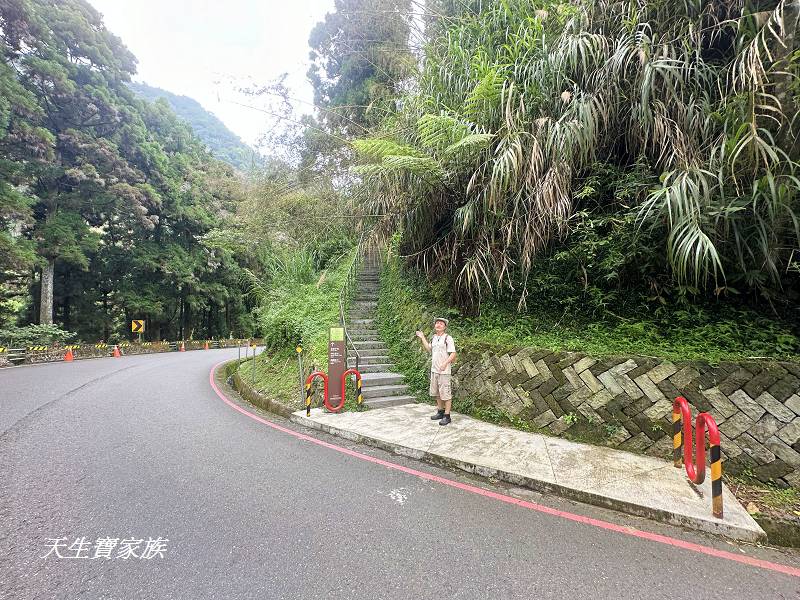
(360, 397)
(311, 378)
(344, 388)
(682, 436)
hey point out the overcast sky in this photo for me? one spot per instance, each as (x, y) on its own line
(189, 46)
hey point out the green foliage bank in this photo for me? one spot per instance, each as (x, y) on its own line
(599, 158)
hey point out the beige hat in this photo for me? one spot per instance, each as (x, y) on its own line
(442, 319)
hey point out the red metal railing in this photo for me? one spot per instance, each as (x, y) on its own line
(682, 449)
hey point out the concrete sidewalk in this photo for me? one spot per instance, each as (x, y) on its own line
(635, 484)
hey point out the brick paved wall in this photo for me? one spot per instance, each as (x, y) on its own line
(755, 403)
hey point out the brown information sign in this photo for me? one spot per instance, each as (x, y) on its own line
(337, 364)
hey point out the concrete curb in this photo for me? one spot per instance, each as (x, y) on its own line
(716, 527)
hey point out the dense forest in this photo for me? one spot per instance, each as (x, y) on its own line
(590, 162)
(110, 207)
(221, 141)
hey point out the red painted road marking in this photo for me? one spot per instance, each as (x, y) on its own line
(653, 537)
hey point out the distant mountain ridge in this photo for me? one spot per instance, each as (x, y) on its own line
(221, 141)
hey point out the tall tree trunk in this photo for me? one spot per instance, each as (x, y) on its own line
(182, 318)
(106, 318)
(46, 302)
(67, 313)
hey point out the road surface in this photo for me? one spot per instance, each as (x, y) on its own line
(98, 454)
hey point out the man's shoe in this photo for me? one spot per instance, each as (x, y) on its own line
(445, 420)
(438, 415)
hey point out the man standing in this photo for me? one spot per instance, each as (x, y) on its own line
(443, 355)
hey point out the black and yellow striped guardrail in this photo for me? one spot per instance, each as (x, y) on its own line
(41, 352)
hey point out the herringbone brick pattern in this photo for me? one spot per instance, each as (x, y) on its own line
(755, 403)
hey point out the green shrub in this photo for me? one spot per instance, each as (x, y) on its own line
(34, 335)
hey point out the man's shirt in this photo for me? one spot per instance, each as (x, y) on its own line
(441, 347)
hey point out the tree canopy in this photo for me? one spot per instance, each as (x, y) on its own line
(221, 141)
(107, 198)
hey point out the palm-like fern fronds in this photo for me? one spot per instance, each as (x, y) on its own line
(515, 103)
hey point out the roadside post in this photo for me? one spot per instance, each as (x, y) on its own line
(239, 348)
(309, 380)
(254, 364)
(299, 351)
(337, 364)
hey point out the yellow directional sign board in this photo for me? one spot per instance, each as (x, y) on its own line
(137, 326)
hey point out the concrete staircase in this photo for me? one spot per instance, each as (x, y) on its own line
(381, 385)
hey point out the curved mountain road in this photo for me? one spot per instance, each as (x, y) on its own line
(142, 448)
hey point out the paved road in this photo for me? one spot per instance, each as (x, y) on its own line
(142, 447)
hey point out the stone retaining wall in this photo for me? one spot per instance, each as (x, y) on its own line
(755, 403)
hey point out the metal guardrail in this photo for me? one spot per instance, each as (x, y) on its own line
(682, 449)
(41, 354)
(326, 396)
(346, 295)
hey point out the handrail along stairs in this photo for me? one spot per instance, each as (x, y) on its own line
(346, 294)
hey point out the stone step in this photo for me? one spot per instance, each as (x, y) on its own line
(378, 391)
(370, 380)
(367, 360)
(369, 345)
(361, 333)
(359, 330)
(371, 352)
(379, 368)
(365, 322)
(389, 401)
(359, 337)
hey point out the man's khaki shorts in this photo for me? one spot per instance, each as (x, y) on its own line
(440, 386)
